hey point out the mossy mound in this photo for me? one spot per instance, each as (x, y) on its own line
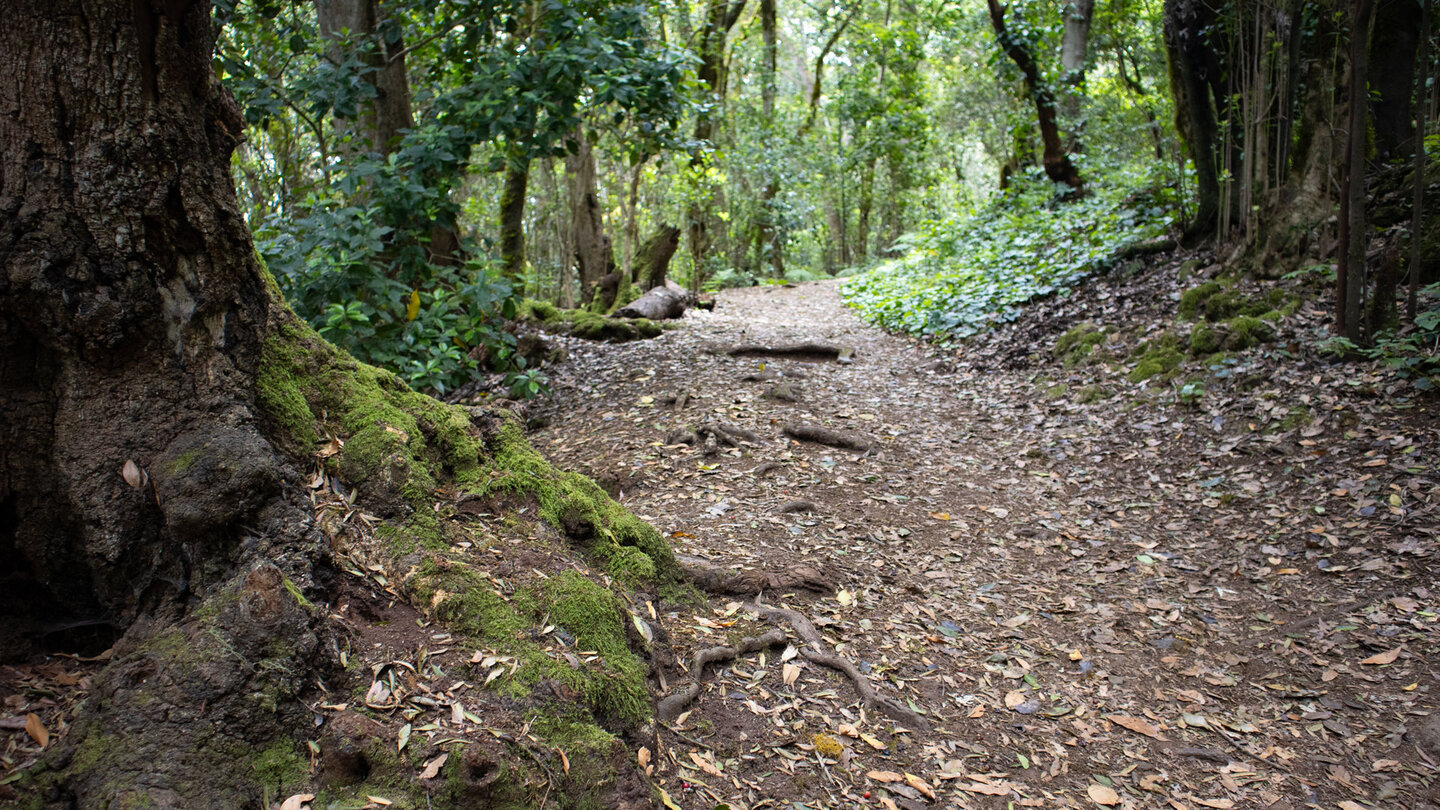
(1157, 358)
(1077, 345)
(583, 323)
(1216, 301)
(1237, 334)
(610, 683)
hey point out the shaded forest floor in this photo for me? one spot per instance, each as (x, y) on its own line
(1093, 592)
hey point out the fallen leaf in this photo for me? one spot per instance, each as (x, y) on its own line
(1135, 724)
(642, 758)
(1218, 804)
(1014, 698)
(380, 800)
(886, 776)
(564, 761)
(874, 743)
(403, 738)
(1381, 659)
(1103, 795)
(667, 801)
(790, 673)
(986, 788)
(432, 768)
(132, 474)
(298, 801)
(921, 785)
(845, 598)
(704, 763)
(37, 730)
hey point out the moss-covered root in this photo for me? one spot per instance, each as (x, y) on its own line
(628, 548)
(391, 441)
(230, 674)
(610, 688)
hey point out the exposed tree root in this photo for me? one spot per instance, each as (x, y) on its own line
(798, 351)
(710, 578)
(805, 432)
(815, 652)
(798, 508)
(671, 707)
(718, 432)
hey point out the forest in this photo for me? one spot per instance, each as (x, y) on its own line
(719, 404)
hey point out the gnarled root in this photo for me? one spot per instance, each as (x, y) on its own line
(671, 707)
(816, 652)
(713, 579)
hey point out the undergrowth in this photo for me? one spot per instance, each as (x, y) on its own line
(962, 276)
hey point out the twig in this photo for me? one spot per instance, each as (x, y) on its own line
(816, 652)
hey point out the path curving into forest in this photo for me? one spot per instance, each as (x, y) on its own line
(1048, 583)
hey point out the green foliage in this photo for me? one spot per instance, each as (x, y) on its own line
(962, 276)
(1156, 358)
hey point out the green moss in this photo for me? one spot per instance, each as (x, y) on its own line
(1156, 358)
(1076, 345)
(182, 462)
(391, 434)
(1244, 331)
(594, 326)
(1299, 416)
(632, 567)
(279, 767)
(1192, 301)
(1055, 391)
(596, 618)
(574, 505)
(1089, 394)
(542, 311)
(1205, 339)
(294, 591)
(612, 688)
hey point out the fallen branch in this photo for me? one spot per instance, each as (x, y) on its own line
(821, 435)
(797, 351)
(815, 652)
(671, 707)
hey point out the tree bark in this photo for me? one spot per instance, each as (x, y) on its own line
(1193, 69)
(1073, 47)
(1418, 205)
(136, 483)
(652, 261)
(1350, 267)
(512, 215)
(1055, 159)
(720, 17)
(1392, 75)
(594, 253)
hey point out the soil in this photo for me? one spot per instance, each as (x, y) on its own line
(1124, 599)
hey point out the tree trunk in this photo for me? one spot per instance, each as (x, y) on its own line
(135, 481)
(1392, 75)
(377, 126)
(865, 204)
(1418, 205)
(1187, 24)
(512, 216)
(1350, 267)
(1055, 159)
(768, 240)
(594, 254)
(1073, 47)
(652, 261)
(720, 17)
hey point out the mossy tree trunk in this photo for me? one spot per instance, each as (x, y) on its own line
(138, 493)
(652, 262)
(594, 254)
(512, 215)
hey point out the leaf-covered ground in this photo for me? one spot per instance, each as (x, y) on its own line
(1095, 592)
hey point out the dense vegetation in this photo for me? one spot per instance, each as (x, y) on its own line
(413, 171)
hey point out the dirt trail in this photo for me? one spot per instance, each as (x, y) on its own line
(1090, 605)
